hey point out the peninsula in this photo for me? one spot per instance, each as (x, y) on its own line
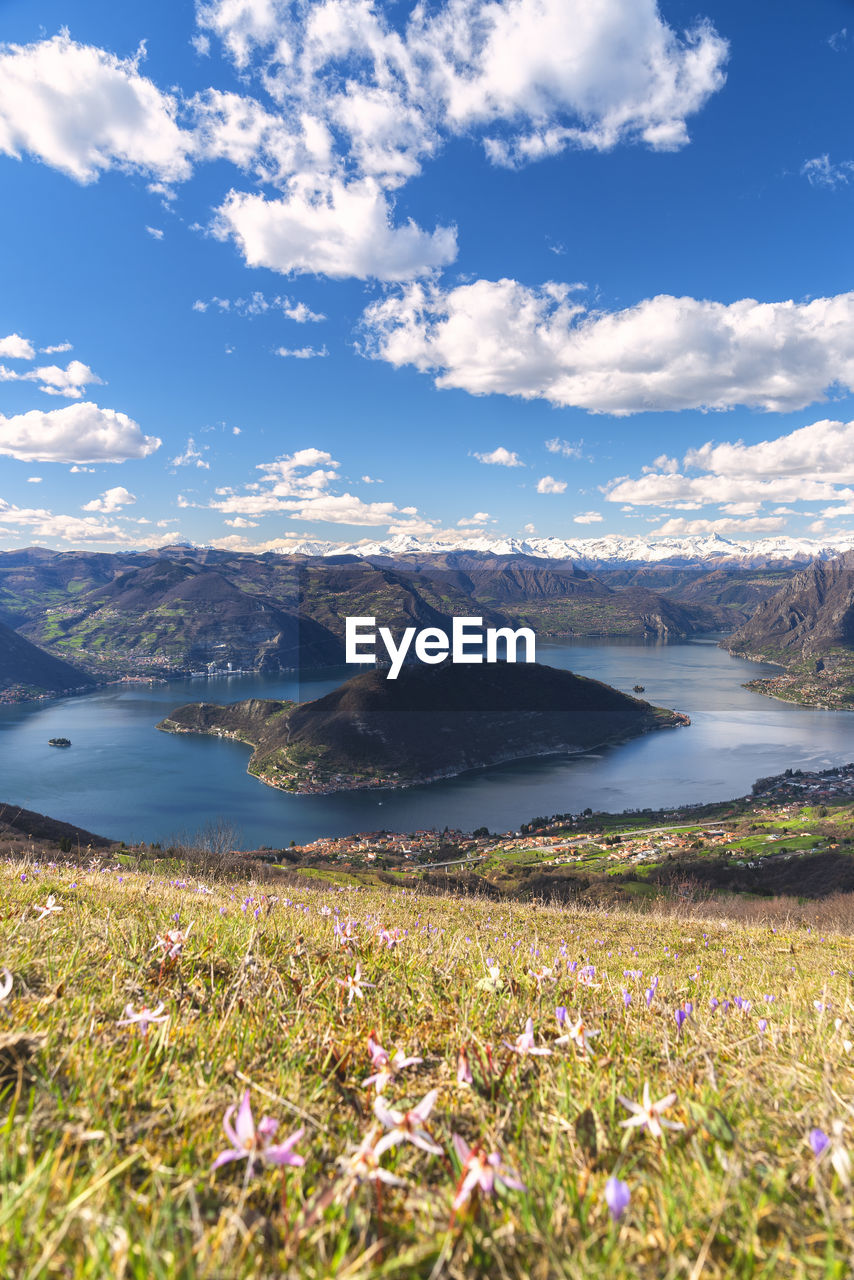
(433, 722)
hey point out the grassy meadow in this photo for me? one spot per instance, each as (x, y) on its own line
(517, 1161)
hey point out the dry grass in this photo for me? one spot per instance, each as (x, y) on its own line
(109, 1135)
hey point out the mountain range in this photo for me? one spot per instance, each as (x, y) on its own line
(611, 550)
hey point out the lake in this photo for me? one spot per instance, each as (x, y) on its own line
(122, 778)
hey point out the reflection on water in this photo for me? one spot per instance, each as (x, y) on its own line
(122, 778)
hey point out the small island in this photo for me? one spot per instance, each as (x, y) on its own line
(432, 722)
(59, 742)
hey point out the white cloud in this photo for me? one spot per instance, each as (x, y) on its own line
(821, 173)
(299, 485)
(34, 479)
(111, 500)
(155, 233)
(500, 457)
(479, 517)
(678, 528)
(45, 525)
(14, 347)
(83, 110)
(79, 433)
(331, 227)
(70, 382)
(537, 75)
(239, 523)
(191, 457)
(258, 304)
(665, 353)
(301, 353)
(58, 349)
(812, 464)
(530, 528)
(548, 484)
(588, 517)
(571, 73)
(566, 448)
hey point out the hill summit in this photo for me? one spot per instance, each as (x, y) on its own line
(432, 722)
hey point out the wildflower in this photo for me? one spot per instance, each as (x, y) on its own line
(386, 1068)
(363, 1164)
(144, 1017)
(576, 1032)
(617, 1197)
(818, 1140)
(171, 943)
(49, 908)
(627, 997)
(493, 980)
(353, 983)
(464, 1075)
(647, 1114)
(5, 985)
(586, 977)
(839, 1156)
(345, 935)
(524, 1043)
(481, 1172)
(541, 975)
(250, 1142)
(406, 1126)
(682, 1015)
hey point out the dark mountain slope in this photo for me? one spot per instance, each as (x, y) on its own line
(433, 721)
(808, 627)
(29, 670)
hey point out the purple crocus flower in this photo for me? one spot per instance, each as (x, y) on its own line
(819, 1141)
(617, 1197)
(763, 1024)
(681, 1018)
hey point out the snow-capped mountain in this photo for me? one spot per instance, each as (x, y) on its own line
(611, 550)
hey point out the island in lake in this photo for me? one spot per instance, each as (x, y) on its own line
(432, 722)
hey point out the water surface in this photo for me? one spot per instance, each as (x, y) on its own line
(122, 778)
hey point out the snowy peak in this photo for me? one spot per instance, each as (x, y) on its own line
(711, 551)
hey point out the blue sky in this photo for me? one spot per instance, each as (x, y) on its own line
(341, 271)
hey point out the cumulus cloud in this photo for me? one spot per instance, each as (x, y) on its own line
(500, 457)
(665, 353)
(111, 500)
(812, 464)
(479, 517)
(51, 528)
(83, 110)
(679, 527)
(332, 227)
(78, 433)
(299, 485)
(548, 484)
(588, 517)
(14, 347)
(54, 350)
(533, 76)
(155, 232)
(70, 382)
